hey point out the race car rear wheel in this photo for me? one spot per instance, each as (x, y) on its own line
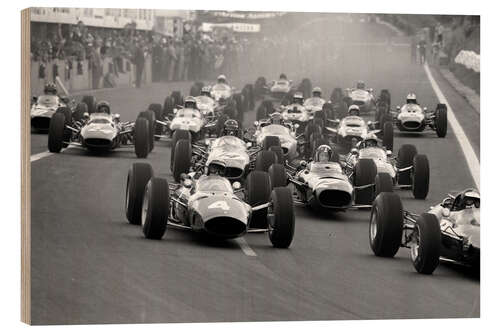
(168, 106)
(182, 159)
(176, 136)
(257, 192)
(405, 159)
(239, 108)
(277, 175)
(280, 157)
(388, 136)
(270, 141)
(219, 126)
(150, 116)
(249, 97)
(365, 172)
(80, 110)
(383, 183)
(91, 103)
(386, 224)
(141, 137)
(420, 182)
(441, 120)
(177, 98)
(158, 111)
(337, 95)
(138, 176)
(261, 112)
(259, 87)
(281, 218)
(264, 159)
(155, 208)
(385, 96)
(425, 250)
(56, 132)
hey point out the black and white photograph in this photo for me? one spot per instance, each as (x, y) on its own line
(208, 166)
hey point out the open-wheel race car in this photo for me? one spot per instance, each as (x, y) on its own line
(448, 231)
(209, 203)
(409, 170)
(101, 131)
(281, 89)
(411, 117)
(366, 100)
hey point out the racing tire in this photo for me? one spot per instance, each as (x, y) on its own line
(156, 208)
(281, 218)
(280, 157)
(383, 119)
(158, 110)
(219, 126)
(425, 257)
(257, 192)
(177, 98)
(264, 159)
(80, 110)
(388, 136)
(239, 108)
(151, 117)
(277, 175)
(365, 172)
(176, 136)
(306, 87)
(270, 141)
(441, 120)
(141, 137)
(383, 183)
(310, 129)
(261, 112)
(386, 225)
(385, 96)
(337, 95)
(56, 132)
(420, 181)
(182, 159)
(405, 159)
(249, 96)
(168, 106)
(91, 103)
(138, 176)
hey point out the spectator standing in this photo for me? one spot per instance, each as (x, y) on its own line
(179, 50)
(139, 60)
(172, 60)
(422, 50)
(157, 55)
(96, 65)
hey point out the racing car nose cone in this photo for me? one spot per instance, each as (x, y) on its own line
(225, 227)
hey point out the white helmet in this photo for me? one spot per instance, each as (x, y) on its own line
(298, 97)
(316, 92)
(353, 110)
(411, 98)
(221, 79)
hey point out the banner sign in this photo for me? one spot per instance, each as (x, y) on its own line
(236, 26)
(247, 15)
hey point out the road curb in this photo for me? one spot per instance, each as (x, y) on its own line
(469, 94)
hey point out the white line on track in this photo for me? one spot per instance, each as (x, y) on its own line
(470, 155)
(41, 155)
(245, 247)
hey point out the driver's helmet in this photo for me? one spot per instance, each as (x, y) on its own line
(353, 110)
(471, 199)
(360, 85)
(298, 98)
(103, 107)
(276, 118)
(221, 79)
(370, 141)
(190, 103)
(323, 154)
(217, 168)
(205, 91)
(316, 92)
(283, 76)
(411, 98)
(222, 101)
(50, 89)
(231, 127)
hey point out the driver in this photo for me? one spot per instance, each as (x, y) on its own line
(411, 98)
(360, 85)
(316, 92)
(50, 89)
(323, 154)
(231, 128)
(370, 141)
(190, 103)
(276, 119)
(103, 107)
(353, 110)
(205, 91)
(467, 199)
(283, 76)
(298, 98)
(216, 168)
(221, 79)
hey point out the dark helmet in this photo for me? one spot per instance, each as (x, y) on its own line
(316, 92)
(103, 107)
(216, 168)
(231, 127)
(324, 153)
(298, 98)
(205, 91)
(411, 98)
(353, 110)
(283, 76)
(221, 79)
(370, 141)
(360, 85)
(50, 89)
(190, 103)
(468, 198)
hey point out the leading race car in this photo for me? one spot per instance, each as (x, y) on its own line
(322, 183)
(101, 131)
(448, 231)
(365, 99)
(281, 89)
(411, 117)
(209, 203)
(409, 170)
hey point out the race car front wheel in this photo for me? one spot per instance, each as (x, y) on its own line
(420, 183)
(155, 208)
(138, 176)
(281, 217)
(386, 224)
(141, 137)
(425, 249)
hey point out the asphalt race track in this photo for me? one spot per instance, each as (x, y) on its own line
(90, 266)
